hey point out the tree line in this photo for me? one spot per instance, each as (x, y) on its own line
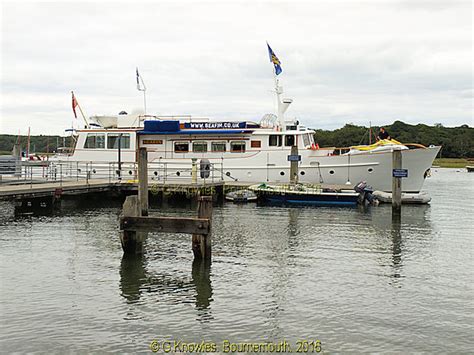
(457, 142)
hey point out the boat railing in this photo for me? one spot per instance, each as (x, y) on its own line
(13, 171)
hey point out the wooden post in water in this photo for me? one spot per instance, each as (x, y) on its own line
(202, 242)
(143, 181)
(132, 241)
(294, 165)
(396, 182)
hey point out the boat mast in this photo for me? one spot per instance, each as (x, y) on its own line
(282, 104)
(28, 145)
(370, 132)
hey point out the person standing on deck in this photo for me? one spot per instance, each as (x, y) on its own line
(383, 134)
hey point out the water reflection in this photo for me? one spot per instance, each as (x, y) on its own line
(396, 245)
(135, 279)
(202, 282)
(412, 228)
(132, 276)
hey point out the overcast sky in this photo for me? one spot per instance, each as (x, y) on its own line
(343, 61)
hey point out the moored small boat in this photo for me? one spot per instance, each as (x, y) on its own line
(413, 198)
(470, 168)
(241, 196)
(299, 194)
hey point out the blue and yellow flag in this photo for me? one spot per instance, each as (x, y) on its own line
(274, 59)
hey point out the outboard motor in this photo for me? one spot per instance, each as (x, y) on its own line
(366, 197)
(205, 168)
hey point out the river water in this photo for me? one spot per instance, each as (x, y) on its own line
(346, 277)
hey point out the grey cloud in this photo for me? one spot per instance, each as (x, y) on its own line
(342, 61)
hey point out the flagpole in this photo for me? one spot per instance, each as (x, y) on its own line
(278, 90)
(84, 117)
(139, 78)
(80, 109)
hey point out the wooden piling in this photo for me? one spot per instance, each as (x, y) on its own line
(134, 228)
(396, 181)
(132, 241)
(294, 165)
(143, 181)
(201, 243)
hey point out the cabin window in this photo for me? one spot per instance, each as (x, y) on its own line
(289, 140)
(306, 141)
(218, 146)
(199, 147)
(256, 144)
(237, 147)
(181, 147)
(95, 141)
(275, 140)
(113, 141)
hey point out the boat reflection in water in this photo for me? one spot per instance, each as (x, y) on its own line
(138, 278)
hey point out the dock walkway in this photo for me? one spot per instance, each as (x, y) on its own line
(44, 189)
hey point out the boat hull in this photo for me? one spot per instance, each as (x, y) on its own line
(311, 200)
(375, 168)
(264, 163)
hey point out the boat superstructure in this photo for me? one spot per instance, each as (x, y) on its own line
(246, 151)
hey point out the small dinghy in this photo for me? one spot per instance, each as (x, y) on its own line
(241, 196)
(418, 198)
(470, 168)
(300, 194)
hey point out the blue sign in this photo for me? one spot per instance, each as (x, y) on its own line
(294, 157)
(214, 125)
(400, 173)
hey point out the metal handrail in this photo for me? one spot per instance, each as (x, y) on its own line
(62, 171)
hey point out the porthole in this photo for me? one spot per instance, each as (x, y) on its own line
(155, 173)
(79, 171)
(228, 173)
(93, 170)
(130, 172)
(370, 170)
(178, 173)
(282, 173)
(331, 172)
(302, 173)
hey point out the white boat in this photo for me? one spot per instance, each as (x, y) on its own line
(412, 198)
(246, 151)
(240, 196)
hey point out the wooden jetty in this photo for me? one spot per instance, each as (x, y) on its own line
(135, 222)
(25, 191)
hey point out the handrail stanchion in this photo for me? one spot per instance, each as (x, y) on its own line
(222, 168)
(166, 172)
(87, 173)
